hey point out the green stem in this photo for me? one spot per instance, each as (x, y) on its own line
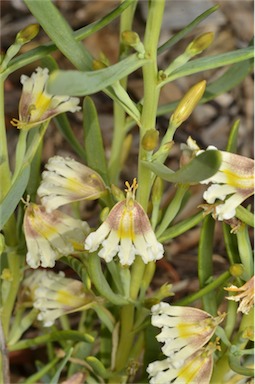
(126, 336)
(119, 132)
(151, 94)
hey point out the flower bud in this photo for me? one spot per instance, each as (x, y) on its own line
(200, 43)
(188, 103)
(117, 193)
(150, 140)
(236, 270)
(98, 64)
(27, 34)
(133, 40)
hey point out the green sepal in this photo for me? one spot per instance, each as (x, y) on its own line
(200, 168)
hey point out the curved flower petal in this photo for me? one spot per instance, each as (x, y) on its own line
(36, 105)
(66, 181)
(54, 295)
(126, 232)
(184, 329)
(51, 235)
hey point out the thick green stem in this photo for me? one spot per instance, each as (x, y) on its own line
(119, 132)
(151, 94)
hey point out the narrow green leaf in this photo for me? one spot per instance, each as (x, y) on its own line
(230, 79)
(40, 52)
(230, 244)
(181, 227)
(55, 378)
(233, 137)
(94, 147)
(65, 128)
(245, 215)
(205, 264)
(200, 168)
(60, 32)
(53, 336)
(180, 35)
(210, 62)
(11, 200)
(76, 83)
(99, 24)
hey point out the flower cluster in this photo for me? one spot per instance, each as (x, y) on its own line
(54, 295)
(185, 332)
(126, 232)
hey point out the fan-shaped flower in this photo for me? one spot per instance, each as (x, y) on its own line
(36, 105)
(235, 178)
(66, 181)
(184, 329)
(126, 232)
(54, 295)
(196, 369)
(50, 236)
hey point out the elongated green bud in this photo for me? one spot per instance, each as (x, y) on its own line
(188, 103)
(27, 34)
(200, 43)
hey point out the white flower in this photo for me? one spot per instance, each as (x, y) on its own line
(197, 369)
(126, 232)
(245, 296)
(234, 179)
(36, 105)
(54, 295)
(184, 329)
(50, 236)
(66, 181)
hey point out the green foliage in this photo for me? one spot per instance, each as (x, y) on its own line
(110, 338)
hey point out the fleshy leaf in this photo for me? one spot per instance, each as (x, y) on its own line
(200, 168)
(84, 83)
